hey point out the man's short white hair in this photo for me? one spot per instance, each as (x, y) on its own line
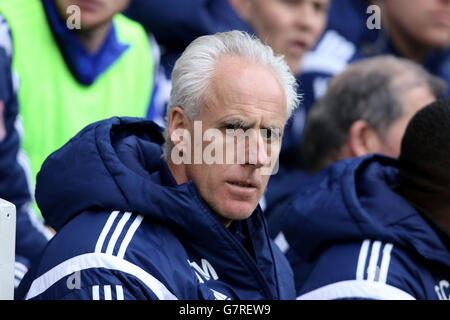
(195, 68)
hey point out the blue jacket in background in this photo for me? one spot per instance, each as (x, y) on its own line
(15, 185)
(126, 230)
(278, 196)
(350, 236)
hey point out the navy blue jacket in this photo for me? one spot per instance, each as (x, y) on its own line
(282, 187)
(350, 236)
(126, 230)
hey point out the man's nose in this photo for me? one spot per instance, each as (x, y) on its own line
(257, 151)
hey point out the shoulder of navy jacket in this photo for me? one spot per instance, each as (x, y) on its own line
(358, 166)
(144, 129)
(117, 128)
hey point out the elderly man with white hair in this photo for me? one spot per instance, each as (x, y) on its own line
(135, 221)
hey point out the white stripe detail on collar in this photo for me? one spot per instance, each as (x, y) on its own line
(105, 230)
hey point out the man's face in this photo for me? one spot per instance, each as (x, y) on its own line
(413, 100)
(290, 27)
(426, 23)
(94, 13)
(245, 96)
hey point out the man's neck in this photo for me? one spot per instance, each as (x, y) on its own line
(177, 172)
(94, 38)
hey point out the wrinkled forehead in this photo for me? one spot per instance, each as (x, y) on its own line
(240, 84)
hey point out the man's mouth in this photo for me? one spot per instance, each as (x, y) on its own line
(242, 184)
(242, 190)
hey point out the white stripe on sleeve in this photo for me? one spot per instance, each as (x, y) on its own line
(107, 291)
(97, 260)
(385, 262)
(105, 230)
(362, 260)
(18, 266)
(95, 293)
(119, 293)
(357, 289)
(117, 232)
(126, 241)
(372, 268)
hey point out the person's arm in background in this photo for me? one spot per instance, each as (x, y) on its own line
(15, 186)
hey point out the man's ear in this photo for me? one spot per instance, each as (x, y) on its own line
(363, 139)
(178, 120)
(242, 8)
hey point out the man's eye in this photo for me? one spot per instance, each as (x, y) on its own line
(236, 126)
(269, 134)
(231, 126)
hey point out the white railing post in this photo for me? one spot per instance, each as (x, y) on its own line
(7, 249)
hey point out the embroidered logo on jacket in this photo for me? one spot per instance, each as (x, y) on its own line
(205, 273)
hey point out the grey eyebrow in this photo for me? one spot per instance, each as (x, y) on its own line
(237, 123)
(272, 128)
(241, 124)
